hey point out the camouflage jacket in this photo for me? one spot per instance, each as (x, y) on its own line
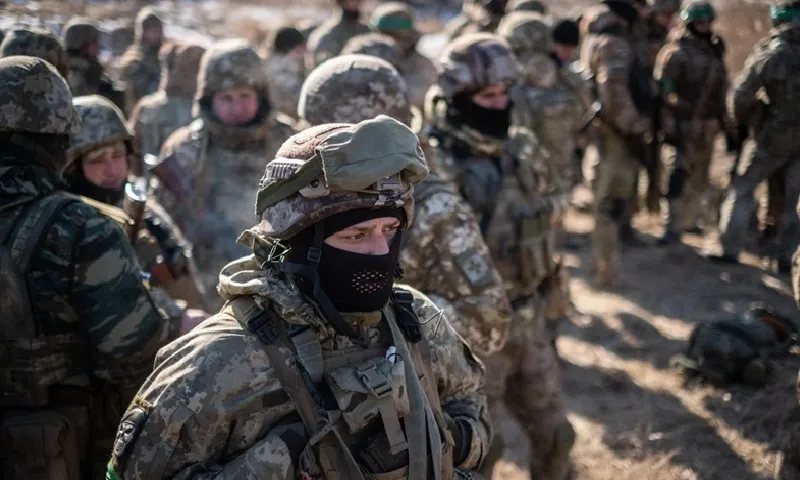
(141, 72)
(155, 117)
(445, 257)
(692, 76)
(419, 73)
(86, 288)
(222, 166)
(285, 75)
(608, 55)
(649, 37)
(327, 40)
(85, 76)
(769, 85)
(214, 407)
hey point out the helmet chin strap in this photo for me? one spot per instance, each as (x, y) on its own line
(318, 296)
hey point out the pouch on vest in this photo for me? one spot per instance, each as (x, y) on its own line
(40, 445)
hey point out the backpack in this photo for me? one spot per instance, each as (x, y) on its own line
(738, 349)
(21, 384)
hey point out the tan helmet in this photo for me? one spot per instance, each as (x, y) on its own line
(103, 124)
(474, 61)
(526, 33)
(79, 32)
(35, 42)
(353, 88)
(332, 168)
(35, 98)
(374, 44)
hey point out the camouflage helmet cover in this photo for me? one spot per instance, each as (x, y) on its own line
(103, 124)
(334, 168)
(78, 32)
(784, 11)
(35, 42)
(526, 6)
(474, 61)
(230, 64)
(374, 44)
(526, 33)
(351, 89)
(35, 98)
(698, 11)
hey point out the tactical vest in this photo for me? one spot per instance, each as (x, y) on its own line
(386, 423)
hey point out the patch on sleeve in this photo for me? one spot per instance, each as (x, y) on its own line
(128, 430)
(476, 268)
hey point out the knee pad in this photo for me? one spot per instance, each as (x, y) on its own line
(613, 208)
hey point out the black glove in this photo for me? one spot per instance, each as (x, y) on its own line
(462, 437)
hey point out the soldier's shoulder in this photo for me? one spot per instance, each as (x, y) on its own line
(322, 32)
(282, 127)
(149, 107)
(182, 137)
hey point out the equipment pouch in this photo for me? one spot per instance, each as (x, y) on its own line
(41, 445)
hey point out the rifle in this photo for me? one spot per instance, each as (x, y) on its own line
(134, 206)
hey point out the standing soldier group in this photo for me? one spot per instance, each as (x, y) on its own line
(294, 194)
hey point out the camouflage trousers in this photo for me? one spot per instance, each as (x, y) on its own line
(614, 185)
(738, 205)
(525, 376)
(689, 179)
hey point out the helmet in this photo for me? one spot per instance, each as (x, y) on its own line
(146, 18)
(78, 32)
(698, 12)
(35, 42)
(526, 6)
(103, 124)
(474, 61)
(526, 33)
(784, 11)
(373, 44)
(353, 88)
(181, 61)
(35, 98)
(665, 5)
(230, 64)
(332, 168)
(393, 18)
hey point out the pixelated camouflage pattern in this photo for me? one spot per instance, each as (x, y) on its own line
(35, 98)
(374, 44)
(285, 74)
(327, 40)
(352, 88)
(474, 61)
(474, 18)
(526, 33)
(526, 6)
(78, 32)
(103, 124)
(230, 64)
(191, 389)
(35, 42)
(284, 219)
(84, 75)
(610, 59)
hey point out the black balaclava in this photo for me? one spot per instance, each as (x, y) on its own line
(704, 35)
(353, 282)
(81, 186)
(489, 121)
(495, 7)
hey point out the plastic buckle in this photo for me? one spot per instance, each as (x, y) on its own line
(374, 381)
(314, 255)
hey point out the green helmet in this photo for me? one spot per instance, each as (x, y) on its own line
(526, 33)
(373, 44)
(698, 12)
(103, 124)
(35, 42)
(353, 88)
(35, 98)
(784, 11)
(474, 61)
(332, 168)
(392, 18)
(78, 32)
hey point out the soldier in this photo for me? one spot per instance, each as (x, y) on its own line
(566, 40)
(609, 56)
(35, 42)
(476, 16)
(207, 168)
(310, 367)
(81, 329)
(693, 82)
(327, 40)
(86, 76)
(141, 69)
(159, 114)
(762, 90)
(396, 20)
(373, 44)
(443, 255)
(98, 165)
(514, 192)
(285, 68)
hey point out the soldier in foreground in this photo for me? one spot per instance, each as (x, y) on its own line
(762, 90)
(208, 169)
(141, 69)
(514, 191)
(693, 82)
(443, 255)
(82, 330)
(159, 114)
(285, 68)
(316, 359)
(327, 40)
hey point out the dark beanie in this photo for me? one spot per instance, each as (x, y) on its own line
(287, 39)
(566, 32)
